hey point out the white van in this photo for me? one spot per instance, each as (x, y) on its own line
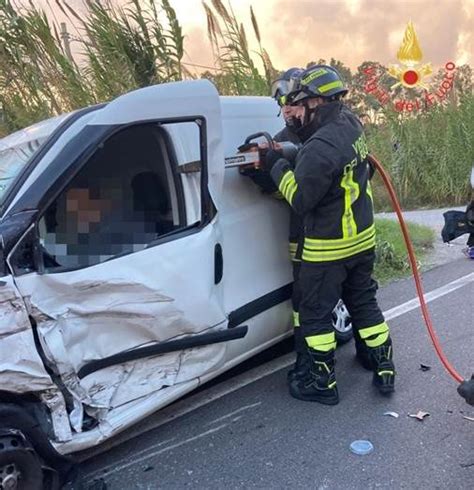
(129, 277)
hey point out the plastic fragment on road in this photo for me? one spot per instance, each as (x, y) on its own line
(420, 415)
(468, 418)
(361, 447)
(424, 367)
(392, 414)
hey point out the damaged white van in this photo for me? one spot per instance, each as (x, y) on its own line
(134, 267)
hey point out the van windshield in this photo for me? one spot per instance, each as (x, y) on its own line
(17, 149)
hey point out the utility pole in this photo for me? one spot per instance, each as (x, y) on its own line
(66, 38)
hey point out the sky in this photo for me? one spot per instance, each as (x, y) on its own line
(295, 32)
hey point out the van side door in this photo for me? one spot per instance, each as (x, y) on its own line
(125, 288)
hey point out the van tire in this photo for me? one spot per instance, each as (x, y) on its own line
(20, 466)
(17, 422)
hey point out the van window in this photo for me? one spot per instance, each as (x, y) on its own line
(128, 196)
(186, 144)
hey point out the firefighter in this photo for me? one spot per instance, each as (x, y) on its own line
(282, 91)
(330, 189)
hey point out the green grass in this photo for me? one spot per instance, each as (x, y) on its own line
(392, 258)
(430, 163)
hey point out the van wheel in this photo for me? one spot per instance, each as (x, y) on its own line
(20, 466)
(342, 323)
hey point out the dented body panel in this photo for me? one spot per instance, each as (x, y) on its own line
(21, 368)
(99, 311)
(200, 281)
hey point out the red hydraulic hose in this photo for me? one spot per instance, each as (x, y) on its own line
(416, 275)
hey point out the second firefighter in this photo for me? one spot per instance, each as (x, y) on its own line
(330, 189)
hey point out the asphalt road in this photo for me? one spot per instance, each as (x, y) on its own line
(257, 436)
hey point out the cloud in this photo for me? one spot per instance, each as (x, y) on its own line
(198, 47)
(295, 32)
(463, 53)
(298, 32)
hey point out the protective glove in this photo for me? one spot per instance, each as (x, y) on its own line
(271, 158)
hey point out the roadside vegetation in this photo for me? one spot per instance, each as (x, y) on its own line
(429, 157)
(392, 257)
(113, 49)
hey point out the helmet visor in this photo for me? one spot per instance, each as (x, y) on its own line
(283, 87)
(299, 96)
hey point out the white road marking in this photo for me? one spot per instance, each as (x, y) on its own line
(246, 407)
(432, 295)
(137, 454)
(201, 399)
(126, 463)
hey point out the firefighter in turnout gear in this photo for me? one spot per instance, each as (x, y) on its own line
(282, 91)
(330, 188)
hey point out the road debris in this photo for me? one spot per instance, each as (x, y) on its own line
(392, 414)
(468, 418)
(361, 447)
(420, 415)
(425, 367)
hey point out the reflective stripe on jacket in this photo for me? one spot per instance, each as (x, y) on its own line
(296, 221)
(330, 187)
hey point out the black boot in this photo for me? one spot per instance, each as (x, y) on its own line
(319, 385)
(362, 355)
(384, 369)
(301, 367)
(362, 352)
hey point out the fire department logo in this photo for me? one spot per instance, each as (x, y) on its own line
(412, 73)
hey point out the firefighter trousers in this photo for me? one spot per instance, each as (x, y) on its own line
(300, 344)
(322, 284)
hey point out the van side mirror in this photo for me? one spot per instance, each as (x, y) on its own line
(24, 258)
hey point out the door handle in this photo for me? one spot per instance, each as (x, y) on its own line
(218, 263)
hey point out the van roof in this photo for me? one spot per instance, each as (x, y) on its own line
(248, 106)
(234, 106)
